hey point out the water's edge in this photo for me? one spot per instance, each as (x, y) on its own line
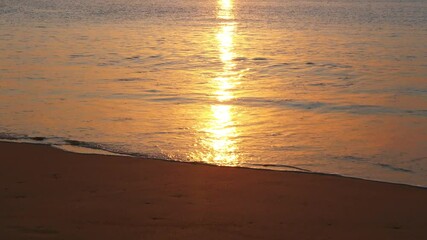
(80, 147)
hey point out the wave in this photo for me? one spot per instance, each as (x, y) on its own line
(87, 147)
(111, 149)
(317, 106)
(279, 166)
(59, 142)
(325, 107)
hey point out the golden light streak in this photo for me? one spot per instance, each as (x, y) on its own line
(225, 39)
(220, 129)
(221, 133)
(225, 9)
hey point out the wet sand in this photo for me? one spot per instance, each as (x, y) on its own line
(46, 193)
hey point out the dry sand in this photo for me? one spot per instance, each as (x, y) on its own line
(46, 193)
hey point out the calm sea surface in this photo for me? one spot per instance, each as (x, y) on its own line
(323, 86)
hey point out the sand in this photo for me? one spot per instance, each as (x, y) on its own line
(46, 193)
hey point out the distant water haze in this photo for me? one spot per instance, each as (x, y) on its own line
(317, 86)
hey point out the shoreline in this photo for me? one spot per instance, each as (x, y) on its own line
(104, 152)
(51, 193)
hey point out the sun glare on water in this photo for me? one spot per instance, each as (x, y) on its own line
(219, 144)
(225, 9)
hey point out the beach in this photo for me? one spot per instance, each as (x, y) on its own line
(225, 119)
(47, 193)
(335, 87)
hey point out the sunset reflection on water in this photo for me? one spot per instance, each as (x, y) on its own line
(225, 9)
(220, 143)
(283, 85)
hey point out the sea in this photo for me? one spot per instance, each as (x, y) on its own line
(319, 86)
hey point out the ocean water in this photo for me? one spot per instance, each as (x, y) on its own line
(317, 86)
